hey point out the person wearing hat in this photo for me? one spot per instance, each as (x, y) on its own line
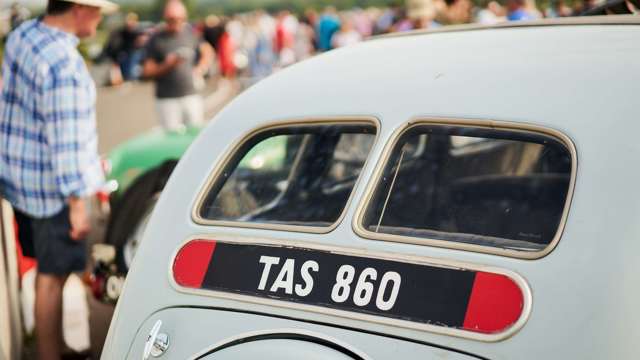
(48, 150)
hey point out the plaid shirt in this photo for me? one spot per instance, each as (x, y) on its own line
(48, 140)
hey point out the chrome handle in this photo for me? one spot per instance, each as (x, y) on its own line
(157, 343)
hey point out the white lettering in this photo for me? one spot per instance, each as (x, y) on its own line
(341, 289)
(390, 276)
(364, 290)
(285, 278)
(267, 261)
(308, 280)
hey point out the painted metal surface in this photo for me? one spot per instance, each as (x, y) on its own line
(425, 294)
(294, 339)
(584, 292)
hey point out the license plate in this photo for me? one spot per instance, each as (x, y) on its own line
(451, 297)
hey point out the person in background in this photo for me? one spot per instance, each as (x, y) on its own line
(304, 39)
(362, 23)
(284, 40)
(583, 6)
(532, 8)
(328, 24)
(175, 56)
(260, 54)
(453, 12)
(404, 22)
(49, 159)
(125, 49)
(516, 11)
(346, 36)
(492, 14)
(212, 31)
(385, 21)
(420, 15)
(558, 8)
(226, 52)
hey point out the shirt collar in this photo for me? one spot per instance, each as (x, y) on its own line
(65, 36)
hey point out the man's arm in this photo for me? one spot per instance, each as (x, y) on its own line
(154, 69)
(206, 54)
(69, 120)
(78, 218)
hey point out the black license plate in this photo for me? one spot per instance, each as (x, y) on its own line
(428, 294)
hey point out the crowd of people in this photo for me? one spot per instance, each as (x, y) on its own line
(257, 43)
(49, 163)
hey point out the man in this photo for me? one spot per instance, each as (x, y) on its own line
(125, 49)
(459, 11)
(328, 24)
(517, 11)
(421, 15)
(212, 31)
(175, 57)
(48, 150)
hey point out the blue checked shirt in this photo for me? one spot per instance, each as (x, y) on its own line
(48, 140)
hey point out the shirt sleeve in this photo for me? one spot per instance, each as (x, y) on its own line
(152, 51)
(68, 105)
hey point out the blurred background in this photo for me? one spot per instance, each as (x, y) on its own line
(251, 40)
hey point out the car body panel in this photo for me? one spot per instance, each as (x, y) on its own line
(581, 80)
(189, 345)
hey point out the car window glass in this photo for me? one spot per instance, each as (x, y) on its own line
(268, 155)
(300, 175)
(482, 186)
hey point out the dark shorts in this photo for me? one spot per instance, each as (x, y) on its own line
(48, 240)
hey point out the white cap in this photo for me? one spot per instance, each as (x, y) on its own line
(105, 5)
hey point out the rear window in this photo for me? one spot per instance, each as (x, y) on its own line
(296, 175)
(503, 189)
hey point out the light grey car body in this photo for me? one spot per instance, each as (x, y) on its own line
(578, 77)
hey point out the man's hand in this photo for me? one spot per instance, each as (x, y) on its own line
(172, 60)
(152, 69)
(79, 219)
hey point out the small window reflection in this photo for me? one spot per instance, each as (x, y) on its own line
(296, 176)
(489, 187)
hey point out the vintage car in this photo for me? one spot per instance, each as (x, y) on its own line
(464, 193)
(137, 171)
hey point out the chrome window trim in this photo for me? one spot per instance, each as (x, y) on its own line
(229, 154)
(483, 124)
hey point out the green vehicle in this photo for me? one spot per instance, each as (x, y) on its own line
(138, 171)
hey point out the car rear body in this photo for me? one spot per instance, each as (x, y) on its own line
(573, 83)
